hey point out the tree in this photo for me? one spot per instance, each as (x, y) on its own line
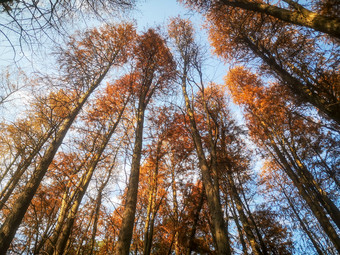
(29, 22)
(79, 56)
(276, 129)
(293, 13)
(154, 70)
(300, 62)
(106, 117)
(181, 33)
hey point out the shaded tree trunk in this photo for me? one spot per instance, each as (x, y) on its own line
(194, 224)
(215, 208)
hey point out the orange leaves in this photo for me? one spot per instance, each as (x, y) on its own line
(91, 53)
(155, 67)
(181, 31)
(244, 86)
(112, 101)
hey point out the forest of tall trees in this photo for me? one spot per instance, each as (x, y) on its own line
(129, 147)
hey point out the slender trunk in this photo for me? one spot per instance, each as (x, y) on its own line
(151, 211)
(95, 214)
(194, 225)
(300, 16)
(125, 233)
(218, 224)
(239, 206)
(253, 224)
(175, 209)
(147, 222)
(302, 224)
(315, 207)
(239, 229)
(152, 226)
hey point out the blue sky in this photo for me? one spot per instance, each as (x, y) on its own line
(152, 13)
(157, 12)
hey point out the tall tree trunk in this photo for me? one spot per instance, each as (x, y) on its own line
(213, 198)
(151, 211)
(125, 233)
(175, 209)
(147, 223)
(299, 16)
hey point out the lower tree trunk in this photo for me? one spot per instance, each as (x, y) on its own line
(194, 225)
(125, 234)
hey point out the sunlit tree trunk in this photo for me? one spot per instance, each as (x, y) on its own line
(152, 210)
(125, 234)
(298, 16)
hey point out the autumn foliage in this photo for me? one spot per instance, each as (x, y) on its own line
(130, 149)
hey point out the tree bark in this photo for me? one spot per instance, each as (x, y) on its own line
(300, 16)
(218, 224)
(151, 211)
(125, 233)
